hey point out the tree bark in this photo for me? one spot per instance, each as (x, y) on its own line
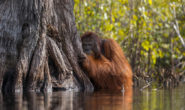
(40, 46)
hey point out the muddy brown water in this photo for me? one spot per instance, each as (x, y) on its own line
(147, 99)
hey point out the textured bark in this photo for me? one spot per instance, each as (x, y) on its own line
(40, 46)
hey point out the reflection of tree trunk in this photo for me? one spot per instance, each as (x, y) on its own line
(11, 102)
(39, 46)
(68, 100)
(37, 101)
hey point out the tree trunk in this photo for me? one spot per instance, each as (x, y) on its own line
(40, 46)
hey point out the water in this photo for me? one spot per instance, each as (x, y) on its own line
(147, 99)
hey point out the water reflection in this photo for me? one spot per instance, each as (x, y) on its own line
(109, 101)
(101, 100)
(148, 99)
(159, 99)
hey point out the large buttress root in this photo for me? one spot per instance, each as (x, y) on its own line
(39, 77)
(39, 46)
(35, 78)
(63, 78)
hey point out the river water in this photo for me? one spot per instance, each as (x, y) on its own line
(136, 99)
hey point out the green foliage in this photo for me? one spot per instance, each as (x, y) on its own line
(144, 28)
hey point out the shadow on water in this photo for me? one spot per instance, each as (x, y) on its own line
(148, 99)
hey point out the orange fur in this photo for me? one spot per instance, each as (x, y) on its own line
(111, 70)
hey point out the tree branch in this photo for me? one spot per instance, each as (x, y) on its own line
(176, 27)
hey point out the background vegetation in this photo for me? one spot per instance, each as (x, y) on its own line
(151, 33)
